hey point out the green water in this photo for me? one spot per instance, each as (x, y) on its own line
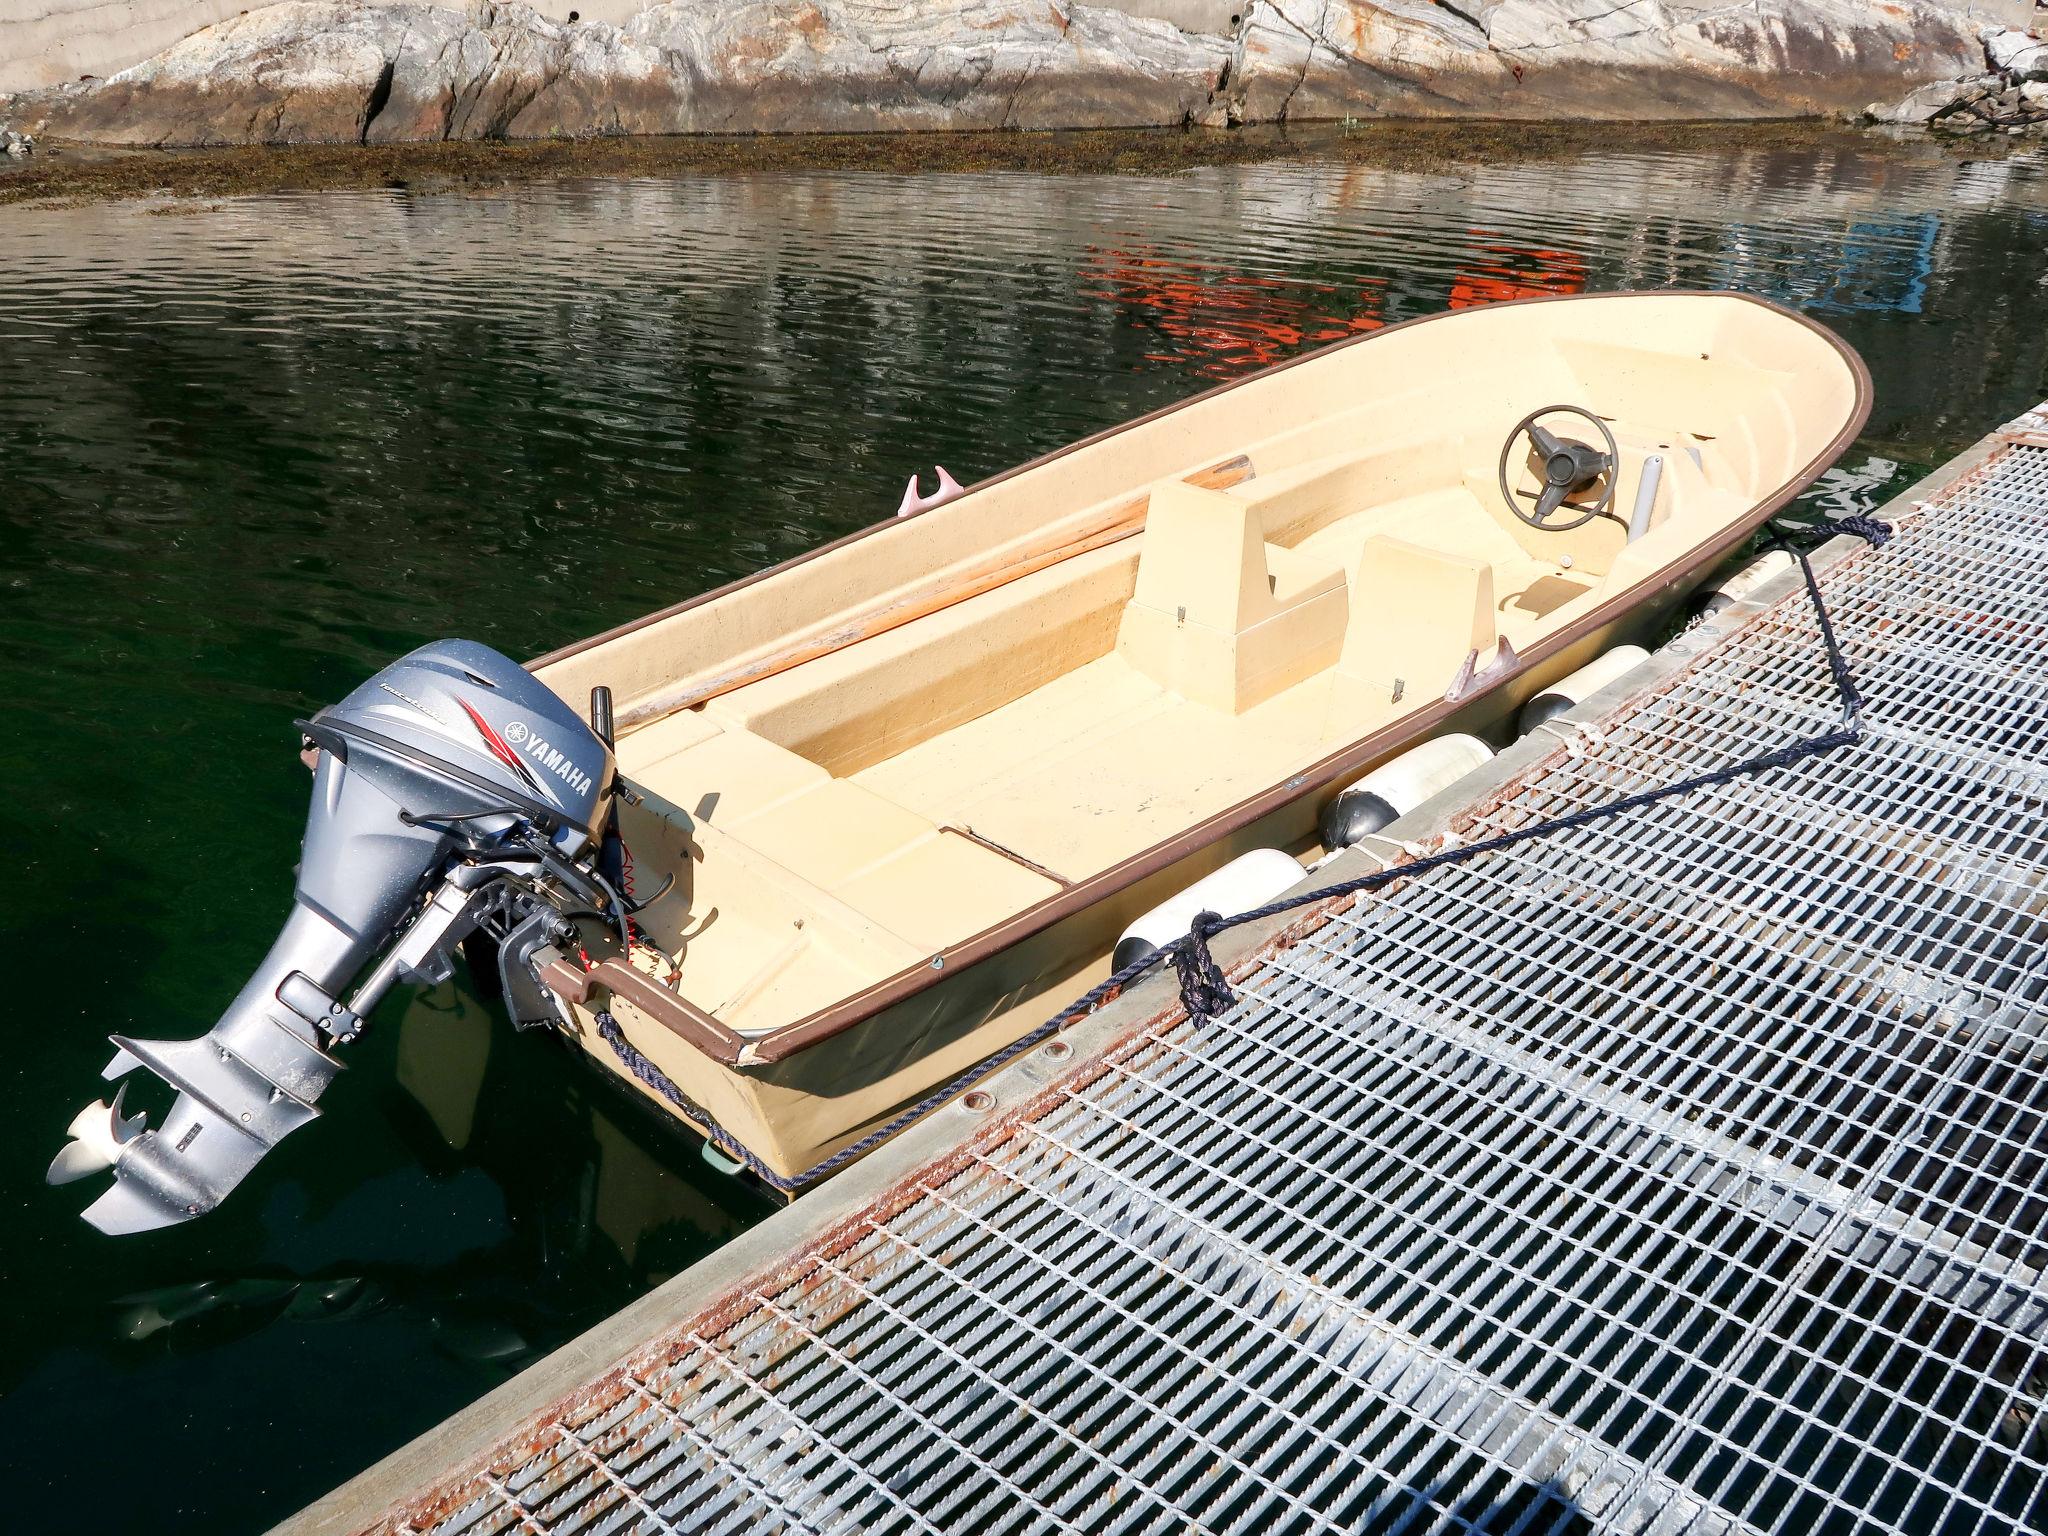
(253, 450)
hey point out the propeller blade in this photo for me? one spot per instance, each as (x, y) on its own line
(99, 1132)
(76, 1161)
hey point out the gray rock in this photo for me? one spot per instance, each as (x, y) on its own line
(326, 71)
(320, 72)
(316, 71)
(2020, 55)
(827, 65)
(1927, 102)
(1635, 59)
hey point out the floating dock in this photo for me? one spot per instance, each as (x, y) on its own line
(1684, 1172)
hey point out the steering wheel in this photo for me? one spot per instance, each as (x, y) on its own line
(1567, 467)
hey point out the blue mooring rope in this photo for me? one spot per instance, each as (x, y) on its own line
(1204, 989)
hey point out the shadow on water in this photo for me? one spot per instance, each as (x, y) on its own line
(253, 453)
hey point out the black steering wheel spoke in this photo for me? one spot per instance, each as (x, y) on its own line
(1565, 468)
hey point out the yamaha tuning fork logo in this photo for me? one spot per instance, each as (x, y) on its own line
(519, 734)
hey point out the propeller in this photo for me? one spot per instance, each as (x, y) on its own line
(99, 1133)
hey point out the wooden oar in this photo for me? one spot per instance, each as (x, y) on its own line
(1121, 521)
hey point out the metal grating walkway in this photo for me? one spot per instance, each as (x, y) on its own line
(1683, 1174)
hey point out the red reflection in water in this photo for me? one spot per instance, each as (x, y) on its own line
(1500, 272)
(1227, 323)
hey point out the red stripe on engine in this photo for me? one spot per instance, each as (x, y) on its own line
(500, 749)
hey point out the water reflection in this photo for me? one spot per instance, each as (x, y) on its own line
(251, 453)
(1500, 273)
(1218, 323)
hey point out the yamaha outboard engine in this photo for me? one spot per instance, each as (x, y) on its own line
(452, 794)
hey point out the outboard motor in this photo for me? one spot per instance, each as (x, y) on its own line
(453, 794)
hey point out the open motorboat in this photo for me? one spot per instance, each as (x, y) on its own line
(829, 837)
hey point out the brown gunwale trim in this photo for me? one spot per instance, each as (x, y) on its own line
(729, 1047)
(674, 1012)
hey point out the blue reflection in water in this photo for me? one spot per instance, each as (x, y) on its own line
(1879, 265)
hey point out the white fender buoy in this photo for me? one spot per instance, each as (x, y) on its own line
(1394, 789)
(1247, 881)
(1574, 688)
(914, 502)
(1731, 587)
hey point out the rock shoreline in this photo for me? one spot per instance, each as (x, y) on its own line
(334, 72)
(2010, 95)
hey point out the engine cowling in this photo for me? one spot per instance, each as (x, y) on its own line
(451, 792)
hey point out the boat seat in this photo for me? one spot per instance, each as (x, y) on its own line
(866, 703)
(1417, 615)
(1219, 615)
(1301, 502)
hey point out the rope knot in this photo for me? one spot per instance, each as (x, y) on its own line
(1877, 532)
(1204, 991)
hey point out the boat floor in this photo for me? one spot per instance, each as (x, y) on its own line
(823, 882)
(1102, 762)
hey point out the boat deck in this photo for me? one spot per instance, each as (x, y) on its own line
(1685, 1172)
(851, 817)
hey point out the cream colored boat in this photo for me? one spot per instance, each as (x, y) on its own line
(910, 787)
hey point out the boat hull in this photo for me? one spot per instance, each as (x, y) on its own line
(800, 1092)
(796, 1113)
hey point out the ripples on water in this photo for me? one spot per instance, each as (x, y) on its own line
(255, 450)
